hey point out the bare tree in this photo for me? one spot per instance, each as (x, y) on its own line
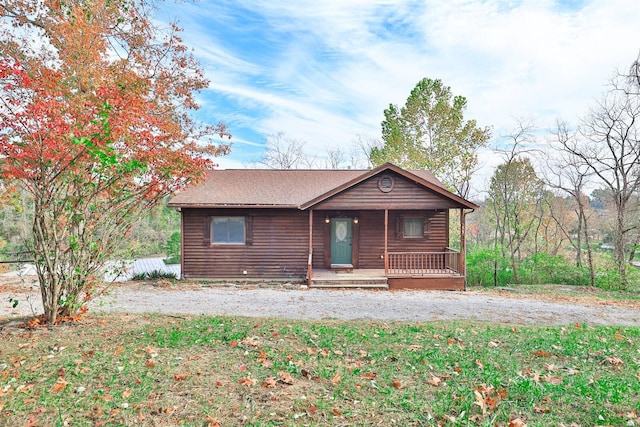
(335, 158)
(569, 174)
(362, 148)
(610, 148)
(283, 152)
(632, 78)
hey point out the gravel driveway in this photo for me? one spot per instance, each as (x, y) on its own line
(340, 304)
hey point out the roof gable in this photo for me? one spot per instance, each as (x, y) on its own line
(423, 179)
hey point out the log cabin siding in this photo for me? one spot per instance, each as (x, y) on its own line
(404, 195)
(370, 249)
(278, 249)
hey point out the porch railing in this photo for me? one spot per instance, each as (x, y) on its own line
(424, 263)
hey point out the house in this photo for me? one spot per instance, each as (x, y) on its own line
(386, 226)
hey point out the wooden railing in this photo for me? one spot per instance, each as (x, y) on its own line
(424, 263)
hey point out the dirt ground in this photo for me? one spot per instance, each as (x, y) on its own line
(292, 302)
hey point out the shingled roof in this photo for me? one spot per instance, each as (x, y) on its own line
(291, 188)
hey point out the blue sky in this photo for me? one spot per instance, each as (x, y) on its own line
(324, 71)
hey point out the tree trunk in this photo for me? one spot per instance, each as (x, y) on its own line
(618, 251)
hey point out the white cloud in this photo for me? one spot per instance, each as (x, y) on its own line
(325, 71)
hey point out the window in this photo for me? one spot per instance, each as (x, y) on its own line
(228, 230)
(413, 228)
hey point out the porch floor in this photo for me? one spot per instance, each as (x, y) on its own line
(369, 277)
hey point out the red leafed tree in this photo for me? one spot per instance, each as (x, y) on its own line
(95, 126)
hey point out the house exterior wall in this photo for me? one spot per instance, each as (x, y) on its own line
(279, 242)
(278, 248)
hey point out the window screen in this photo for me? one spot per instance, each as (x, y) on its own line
(228, 229)
(413, 227)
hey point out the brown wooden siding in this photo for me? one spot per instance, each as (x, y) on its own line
(404, 195)
(430, 283)
(370, 236)
(278, 249)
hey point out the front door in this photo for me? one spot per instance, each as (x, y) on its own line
(341, 241)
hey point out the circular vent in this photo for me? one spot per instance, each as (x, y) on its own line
(385, 183)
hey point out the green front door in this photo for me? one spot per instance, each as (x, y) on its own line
(341, 241)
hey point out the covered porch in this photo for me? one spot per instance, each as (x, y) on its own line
(379, 256)
(391, 225)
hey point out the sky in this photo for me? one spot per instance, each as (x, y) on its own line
(324, 71)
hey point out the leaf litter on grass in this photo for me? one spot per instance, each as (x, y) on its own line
(155, 370)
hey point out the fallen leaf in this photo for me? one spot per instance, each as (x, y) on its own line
(269, 382)
(59, 385)
(397, 384)
(517, 423)
(180, 376)
(253, 341)
(233, 343)
(336, 412)
(541, 353)
(246, 381)
(555, 380)
(614, 360)
(434, 381)
(480, 402)
(285, 377)
(336, 378)
(541, 409)
(212, 422)
(126, 394)
(369, 375)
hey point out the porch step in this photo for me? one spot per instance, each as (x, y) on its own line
(370, 283)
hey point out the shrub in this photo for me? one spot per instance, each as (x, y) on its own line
(153, 275)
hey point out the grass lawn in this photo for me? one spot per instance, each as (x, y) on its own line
(153, 370)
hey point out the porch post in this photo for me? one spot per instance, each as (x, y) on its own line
(386, 250)
(181, 244)
(310, 260)
(463, 246)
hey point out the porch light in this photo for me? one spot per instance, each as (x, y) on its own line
(327, 220)
(355, 220)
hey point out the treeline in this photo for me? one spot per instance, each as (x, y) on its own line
(156, 233)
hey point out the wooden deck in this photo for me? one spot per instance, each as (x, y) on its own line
(377, 279)
(359, 278)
